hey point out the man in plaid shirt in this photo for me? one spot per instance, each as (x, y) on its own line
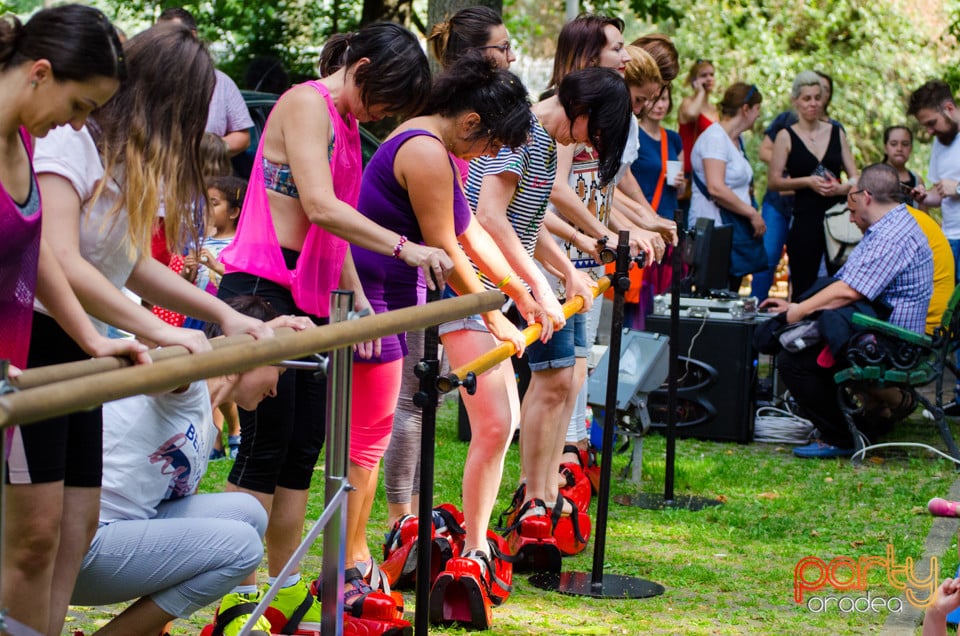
(893, 264)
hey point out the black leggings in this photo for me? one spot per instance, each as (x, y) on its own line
(281, 440)
(67, 448)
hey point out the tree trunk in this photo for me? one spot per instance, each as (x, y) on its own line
(440, 10)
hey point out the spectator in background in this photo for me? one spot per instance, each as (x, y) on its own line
(814, 153)
(934, 108)
(897, 146)
(652, 173)
(722, 173)
(777, 207)
(228, 115)
(696, 112)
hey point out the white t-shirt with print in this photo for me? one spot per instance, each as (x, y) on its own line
(155, 448)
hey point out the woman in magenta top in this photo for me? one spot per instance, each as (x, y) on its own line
(56, 68)
(412, 186)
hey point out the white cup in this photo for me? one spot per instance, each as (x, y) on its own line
(673, 169)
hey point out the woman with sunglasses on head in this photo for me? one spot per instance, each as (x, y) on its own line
(722, 175)
(813, 152)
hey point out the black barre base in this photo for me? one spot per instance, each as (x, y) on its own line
(582, 584)
(656, 501)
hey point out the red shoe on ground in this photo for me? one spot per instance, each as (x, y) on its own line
(400, 548)
(530, 539)
(470, 585)
(572, 531)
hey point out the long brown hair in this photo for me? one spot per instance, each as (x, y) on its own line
(579, 45)
(149, 134)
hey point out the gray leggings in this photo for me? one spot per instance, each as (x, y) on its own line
(194, 551)
(401, 462)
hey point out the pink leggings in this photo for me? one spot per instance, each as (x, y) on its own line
(376, 386)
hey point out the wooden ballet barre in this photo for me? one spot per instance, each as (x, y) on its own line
(503, 351)
(39, 376)
(244, 353)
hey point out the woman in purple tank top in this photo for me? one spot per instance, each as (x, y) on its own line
(412, 186)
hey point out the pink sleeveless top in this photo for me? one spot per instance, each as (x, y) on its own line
(18, 269)
(255, 249)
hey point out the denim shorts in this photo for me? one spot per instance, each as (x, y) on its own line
(470, 323)
(560, 351)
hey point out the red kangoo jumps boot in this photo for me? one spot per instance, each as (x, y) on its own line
(570, 531)
(577, 487)
(470, 585)
(400, 553)
(530, 539)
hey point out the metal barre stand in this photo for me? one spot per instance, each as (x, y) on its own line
(652, 501)
(595, 583)
(427, 370)
(336, 488)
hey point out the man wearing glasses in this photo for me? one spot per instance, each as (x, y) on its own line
(893, 264)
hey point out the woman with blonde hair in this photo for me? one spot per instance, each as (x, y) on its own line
(813, 152)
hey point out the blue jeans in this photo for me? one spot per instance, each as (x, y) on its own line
(955, 247)
(778, 223)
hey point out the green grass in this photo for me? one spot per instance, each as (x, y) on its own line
(727, 569)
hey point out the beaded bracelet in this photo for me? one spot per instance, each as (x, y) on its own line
(399, 247)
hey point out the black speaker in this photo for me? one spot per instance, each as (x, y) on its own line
(724, 408)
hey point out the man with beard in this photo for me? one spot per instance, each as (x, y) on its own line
(933, 106)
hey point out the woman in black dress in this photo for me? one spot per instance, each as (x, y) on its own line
(814, 153)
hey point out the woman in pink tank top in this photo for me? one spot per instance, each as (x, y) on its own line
(292, 248)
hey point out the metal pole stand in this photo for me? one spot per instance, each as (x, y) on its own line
(652, 501)
(427, 370)
(333, 520)
(595, 583)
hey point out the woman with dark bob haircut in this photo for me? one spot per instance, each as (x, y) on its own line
(412, 186)
(509, 193)
(291, 248)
